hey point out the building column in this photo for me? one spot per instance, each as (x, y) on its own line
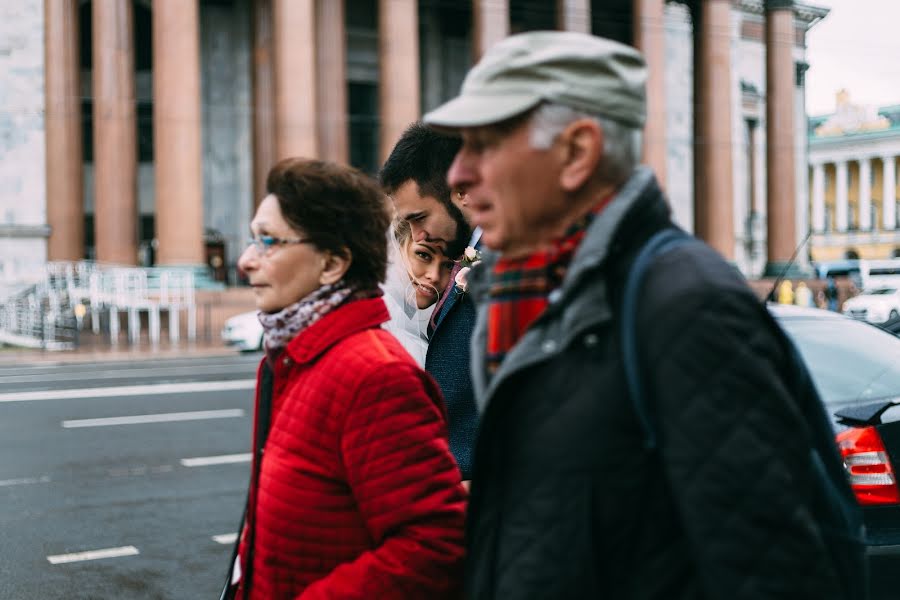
(65, 195)
(398, 61)
(865, 194)
(115, 132)
(780, 162)
(263, 77)
(818, 197)
(176, 132)
(714, 190)
(840, 195)
(296, 110)
(889, 192)
(332, 81)
(491, 24)
(574, 15)
(650, 39)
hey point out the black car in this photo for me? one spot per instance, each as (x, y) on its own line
(856, 368)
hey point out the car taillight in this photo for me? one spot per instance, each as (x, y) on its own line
(867, 463)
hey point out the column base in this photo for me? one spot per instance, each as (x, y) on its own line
(793, 270)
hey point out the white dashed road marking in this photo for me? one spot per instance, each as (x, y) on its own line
(225, 538)
(197, 415)
(59, 559)
(131, 390)
(225, 459)
(24, 481)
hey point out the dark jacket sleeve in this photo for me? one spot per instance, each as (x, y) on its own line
(734, 446)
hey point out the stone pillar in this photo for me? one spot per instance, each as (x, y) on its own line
(491, 24)
(573, 15)
(889, 192)
(818, 198)
(714, 189)
(840, 195)
(263, 98)
(176, 131)
(332, 85)
(296, 110)
(115, 131)
(865, 194)
(398, 59)
(781, 186)
(650, 39)
(65, 202)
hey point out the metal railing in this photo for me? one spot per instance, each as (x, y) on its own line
(50, 313)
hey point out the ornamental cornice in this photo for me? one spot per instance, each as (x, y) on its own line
(807, 14)
(810, 14)
(756, 7)
(847, 153)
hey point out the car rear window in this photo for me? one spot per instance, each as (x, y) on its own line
(851, 362)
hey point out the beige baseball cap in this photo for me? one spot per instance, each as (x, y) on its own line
(585, 72)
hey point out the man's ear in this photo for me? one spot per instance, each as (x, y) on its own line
(583, 149)
(336, 265)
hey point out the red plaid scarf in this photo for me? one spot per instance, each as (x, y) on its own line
(521, 286)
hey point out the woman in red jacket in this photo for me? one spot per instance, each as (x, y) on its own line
(354, 492)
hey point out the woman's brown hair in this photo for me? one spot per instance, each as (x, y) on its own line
(340, 209)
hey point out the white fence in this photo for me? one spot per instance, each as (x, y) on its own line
(50, 313)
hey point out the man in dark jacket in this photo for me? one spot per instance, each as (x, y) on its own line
(415, 176)
(566, 500)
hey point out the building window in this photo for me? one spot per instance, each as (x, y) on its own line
(800, 68)
(531, 15)
(363, 101)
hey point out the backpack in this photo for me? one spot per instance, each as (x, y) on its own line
(834, 508)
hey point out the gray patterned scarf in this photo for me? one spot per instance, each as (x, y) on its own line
(281, 327)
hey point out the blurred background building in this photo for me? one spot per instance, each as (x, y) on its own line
(139, 132)
(853, 177)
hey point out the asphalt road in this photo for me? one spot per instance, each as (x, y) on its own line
(117, 480)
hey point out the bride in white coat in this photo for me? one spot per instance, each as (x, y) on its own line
(418, 273)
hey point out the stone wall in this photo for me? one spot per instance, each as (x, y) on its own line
(23, 208)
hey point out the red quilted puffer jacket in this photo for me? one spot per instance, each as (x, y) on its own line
(356, 494)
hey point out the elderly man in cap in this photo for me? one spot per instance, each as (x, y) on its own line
(567, 500)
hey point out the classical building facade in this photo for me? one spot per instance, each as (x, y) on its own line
(853, 156)
(140, 132)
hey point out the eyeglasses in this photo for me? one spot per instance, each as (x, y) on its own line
(264, 243)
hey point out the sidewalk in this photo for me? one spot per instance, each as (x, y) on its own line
(95, 351)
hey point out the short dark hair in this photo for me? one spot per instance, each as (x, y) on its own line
(424, 155)
(340, 209)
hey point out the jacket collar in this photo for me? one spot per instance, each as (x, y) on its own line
(453, 296)
(454, 293)
(350, 318)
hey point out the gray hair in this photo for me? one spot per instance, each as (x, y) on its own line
(621, 143)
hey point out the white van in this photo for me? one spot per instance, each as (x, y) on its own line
(875, 273)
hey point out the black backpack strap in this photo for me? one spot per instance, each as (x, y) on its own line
(263, 418)
(661, 242)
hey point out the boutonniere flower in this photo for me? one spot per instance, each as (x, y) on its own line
(470, 258)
